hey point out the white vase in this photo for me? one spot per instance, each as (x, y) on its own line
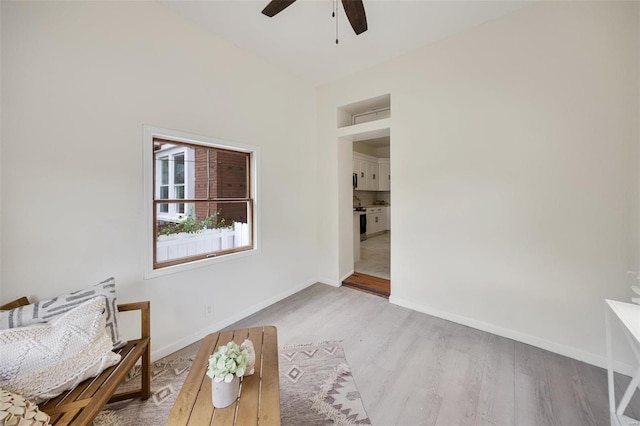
(224, 394)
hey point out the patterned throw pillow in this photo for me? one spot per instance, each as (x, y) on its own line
(47, 310)
(41, 361)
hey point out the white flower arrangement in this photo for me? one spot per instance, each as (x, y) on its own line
(228, 361)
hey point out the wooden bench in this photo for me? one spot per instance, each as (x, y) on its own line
(82, 404)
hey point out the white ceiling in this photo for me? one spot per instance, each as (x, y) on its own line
(301, 38)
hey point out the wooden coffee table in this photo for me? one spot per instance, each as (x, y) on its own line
(259, 401)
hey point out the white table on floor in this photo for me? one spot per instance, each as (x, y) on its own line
(628, 315)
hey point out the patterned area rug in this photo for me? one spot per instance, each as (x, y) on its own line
(316, 388)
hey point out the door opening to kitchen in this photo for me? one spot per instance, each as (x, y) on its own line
(372, 217)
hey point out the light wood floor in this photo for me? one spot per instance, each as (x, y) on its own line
(375, 256)
(414, 369)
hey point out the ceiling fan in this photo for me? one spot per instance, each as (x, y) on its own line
(354, 10)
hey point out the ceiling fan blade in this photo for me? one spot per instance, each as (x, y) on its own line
(355, 13)
(276, 6)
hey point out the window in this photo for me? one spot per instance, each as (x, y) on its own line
(201, 197)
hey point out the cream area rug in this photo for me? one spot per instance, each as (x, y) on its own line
(316, 388)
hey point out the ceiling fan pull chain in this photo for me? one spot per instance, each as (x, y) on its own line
(335, 8)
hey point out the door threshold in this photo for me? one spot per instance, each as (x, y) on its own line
(369, 284)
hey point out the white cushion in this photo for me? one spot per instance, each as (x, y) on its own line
(43, 360)
(47, 310)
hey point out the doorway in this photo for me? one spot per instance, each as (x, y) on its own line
(372, 206)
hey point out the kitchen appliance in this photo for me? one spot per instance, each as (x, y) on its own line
(363, 227)
(355, 180)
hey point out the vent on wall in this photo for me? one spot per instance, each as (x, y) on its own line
(377, 114)
(364, 111)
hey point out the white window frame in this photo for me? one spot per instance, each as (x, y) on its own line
(151, 132)
(170, 154)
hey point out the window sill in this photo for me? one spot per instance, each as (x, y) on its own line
(196, 264)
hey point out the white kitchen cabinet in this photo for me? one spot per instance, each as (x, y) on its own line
(384, 171)
(373, 173)
(376, 220)
(366, 167)
(373, 224)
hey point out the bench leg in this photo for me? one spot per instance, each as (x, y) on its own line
(145, 390)
(146, 374)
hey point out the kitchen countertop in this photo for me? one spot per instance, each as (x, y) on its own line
(367, 207)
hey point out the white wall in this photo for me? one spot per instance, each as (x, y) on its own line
(514, 155)
(0, 162)
(79, 81)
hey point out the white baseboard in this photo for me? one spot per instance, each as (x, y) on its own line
(330, 281)
(333, 282)
(225, 322)
(548, 345)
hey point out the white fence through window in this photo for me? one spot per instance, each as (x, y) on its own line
(175, 246)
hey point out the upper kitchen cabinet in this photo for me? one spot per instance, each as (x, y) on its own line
(373, 173)
(367, 175)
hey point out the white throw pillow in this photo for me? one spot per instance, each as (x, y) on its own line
(43, 360)
(48, 310)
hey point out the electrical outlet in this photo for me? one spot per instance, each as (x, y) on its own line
(208, 311)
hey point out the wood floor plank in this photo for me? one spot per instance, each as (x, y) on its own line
(455, 409)
(464, 380)
(570, 406)
(496, 404)
(532, 394)
(393, 388)
(381, 360)
(594, 381)
(421, 408)
(409, 388)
